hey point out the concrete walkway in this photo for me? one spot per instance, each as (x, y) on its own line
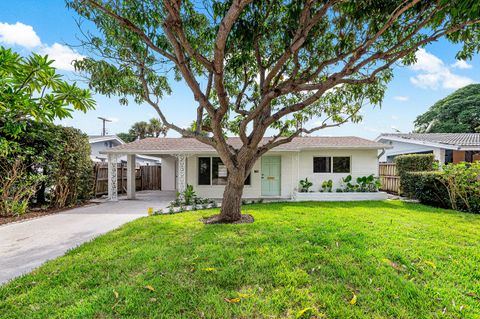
(28, 244)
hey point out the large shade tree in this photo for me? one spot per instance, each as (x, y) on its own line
(260, 68)
(457, 113)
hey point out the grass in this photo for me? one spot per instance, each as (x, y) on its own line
(298, 260)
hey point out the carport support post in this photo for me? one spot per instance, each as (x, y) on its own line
(131, 176)
(181, 172)
(112, 178)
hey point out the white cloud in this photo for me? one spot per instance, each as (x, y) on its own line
(19, 34)
(427, 62)
(435, 74)
(394, 117)
(402, 98)
(461, 64)
(23, 35)
(62, 56)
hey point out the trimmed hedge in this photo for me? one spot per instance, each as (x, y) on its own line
(412, 163)
(456, 186)
(427, 187)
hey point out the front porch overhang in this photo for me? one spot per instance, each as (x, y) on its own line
(112, 158)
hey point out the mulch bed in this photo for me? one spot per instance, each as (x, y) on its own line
(245, 219)
(37, 212)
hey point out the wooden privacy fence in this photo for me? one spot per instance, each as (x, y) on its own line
(387, 173)
(146, 178)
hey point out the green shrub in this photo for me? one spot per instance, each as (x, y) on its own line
(17, 186)
(462, 182)
(72, 169)
(427, 187)
(57, 172)
(456, 186)
(412, 163)
(363, 184)
(305, 185)
(327, 186)
(368, 183)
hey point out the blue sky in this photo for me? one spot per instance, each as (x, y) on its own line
(47, 26)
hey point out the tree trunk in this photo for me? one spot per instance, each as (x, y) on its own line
(232, 197)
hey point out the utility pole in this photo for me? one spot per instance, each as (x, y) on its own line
(104, 132)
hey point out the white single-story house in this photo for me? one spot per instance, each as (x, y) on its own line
(275, 175)
(100, 143)
(446, 147)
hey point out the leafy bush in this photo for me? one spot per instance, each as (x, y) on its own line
(189, 197)
(456, 186)
(462, 182)
(368, 183)
(189, 194)
(414, 163)
(55, 167)
(327, 186)
(17, 186)
(305, 185)
(72, 169)
(347, 184)
(426, 187)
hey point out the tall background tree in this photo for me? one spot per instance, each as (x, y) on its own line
(156, 127)
(457, 113)
(142, 129)
(260, 68)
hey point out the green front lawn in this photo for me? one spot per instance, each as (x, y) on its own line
(399, 261)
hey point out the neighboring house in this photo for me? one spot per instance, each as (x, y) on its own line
(275, 175)
(100, 143)
(446, 147)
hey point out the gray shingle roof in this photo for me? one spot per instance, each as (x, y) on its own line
(190, 145)
(454, 139)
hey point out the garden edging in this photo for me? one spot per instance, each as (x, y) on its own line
(338, 197)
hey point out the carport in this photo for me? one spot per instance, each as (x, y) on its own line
(174, 177)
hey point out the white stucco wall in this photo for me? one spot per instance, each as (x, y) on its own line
(362, 163)
(168, 173)
(295, 166)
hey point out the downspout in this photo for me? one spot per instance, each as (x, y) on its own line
(381, 153)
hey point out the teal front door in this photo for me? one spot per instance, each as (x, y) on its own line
(271, 168)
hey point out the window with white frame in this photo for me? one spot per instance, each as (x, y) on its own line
(212, 171)
(331, 164)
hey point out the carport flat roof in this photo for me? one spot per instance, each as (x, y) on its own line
(190, 145)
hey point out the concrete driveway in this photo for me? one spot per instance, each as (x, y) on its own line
(28, 244)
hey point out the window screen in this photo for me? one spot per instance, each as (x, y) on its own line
(204, 171)
(321, 164)
(341, 164)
